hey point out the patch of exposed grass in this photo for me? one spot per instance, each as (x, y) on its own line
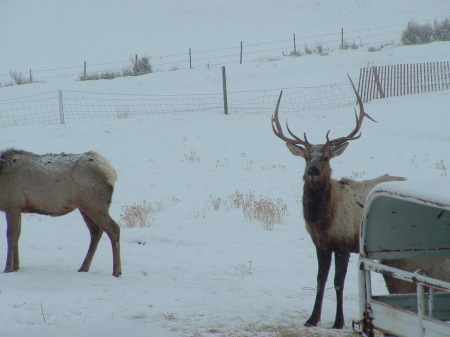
(140, 214)
(259, 329)
(139, 66)
(262, 209)
(440, 166)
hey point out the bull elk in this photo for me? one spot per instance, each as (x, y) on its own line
(56, 184)
(332, 209)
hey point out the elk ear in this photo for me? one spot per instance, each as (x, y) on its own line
(338, 149)
(296, 150)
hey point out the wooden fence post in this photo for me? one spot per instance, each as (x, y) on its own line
(61, 106)
(377, 81)
(84, 72)
(241, 54)
(31, 77)
(190, 59)
(295, 47)
(225, 99)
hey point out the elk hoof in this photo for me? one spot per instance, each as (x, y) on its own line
(10, 270)
(339, 325)
(311, 322)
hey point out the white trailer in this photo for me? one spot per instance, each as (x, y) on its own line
(405, 220)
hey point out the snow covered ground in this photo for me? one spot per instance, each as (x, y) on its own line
(202, 268)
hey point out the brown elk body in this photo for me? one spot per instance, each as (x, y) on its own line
(56, 184)
(332, 208)
(438, 268)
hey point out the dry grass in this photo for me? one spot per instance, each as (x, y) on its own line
(274, 330)
(139, 66)
(319, 49)
(140, 215)
(440, 166)
(266, 211)
(244, 269)
(416, 33)
(191, 157)
(262, 209)
(19, 78)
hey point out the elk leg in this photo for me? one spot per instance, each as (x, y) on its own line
(113, 232)
(341, 262)
(112, 229)
(324, 262)
(13, 228)
(96, 234)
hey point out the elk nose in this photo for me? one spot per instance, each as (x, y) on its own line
(313, 171)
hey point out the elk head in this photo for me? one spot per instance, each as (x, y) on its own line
(317, 157)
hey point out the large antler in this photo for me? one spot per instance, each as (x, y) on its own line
(359, 120)
(276, 126)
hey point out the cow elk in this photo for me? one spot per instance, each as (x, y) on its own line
(332, 208)
(56, 184)
(438, 268)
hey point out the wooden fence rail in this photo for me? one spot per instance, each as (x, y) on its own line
(403, 79)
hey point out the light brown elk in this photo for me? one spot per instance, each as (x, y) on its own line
(332, 208)
(438, 268)
(56, 184)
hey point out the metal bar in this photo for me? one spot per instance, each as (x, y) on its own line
(363, 279)
(420, 307)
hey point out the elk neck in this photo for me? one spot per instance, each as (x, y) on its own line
(318, 202)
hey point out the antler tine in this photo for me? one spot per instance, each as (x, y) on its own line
(299, 140)
(359, 120)
(277, 129)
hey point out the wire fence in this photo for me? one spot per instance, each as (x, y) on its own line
(374, 37)
(65, 107)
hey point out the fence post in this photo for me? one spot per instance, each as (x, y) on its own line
(225, 99)
(31, 77)
(377, 82)
(190, 59)
(241, 54)
(295, 47)
(84, 72)
(61, 106)
(342, 38)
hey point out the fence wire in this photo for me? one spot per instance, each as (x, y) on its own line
(252, 52)
(65, 107)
